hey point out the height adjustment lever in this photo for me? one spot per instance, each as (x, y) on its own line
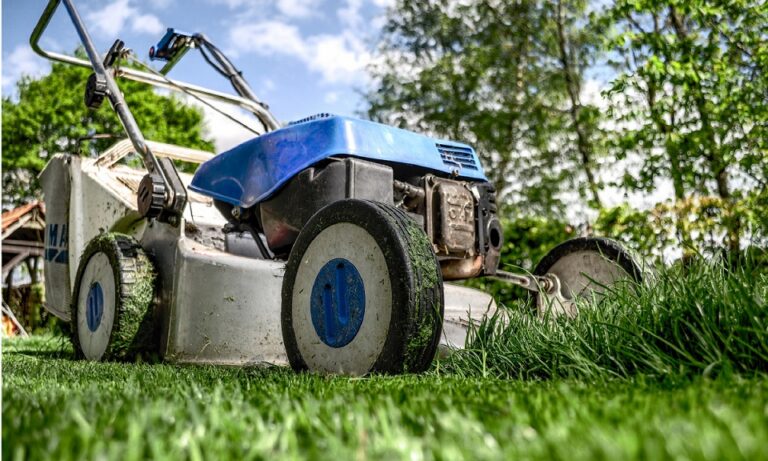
(96, 88)
(114, 53)
(95, 91)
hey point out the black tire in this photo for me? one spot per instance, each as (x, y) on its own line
(608, 249)
(408, 339)
(131, 328)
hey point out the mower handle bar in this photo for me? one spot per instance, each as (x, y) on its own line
(254, 107)
(113, 92)
(162, 174)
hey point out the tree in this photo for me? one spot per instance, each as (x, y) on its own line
(576, 49)
(503, 76)
(687, 104)
(691, 100)
(50, 117)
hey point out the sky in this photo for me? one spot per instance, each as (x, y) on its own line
(300, 56)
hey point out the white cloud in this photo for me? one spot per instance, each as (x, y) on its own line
(147, 24)
(350, 16)
(338, 58)
(268, 38)
(378, 22)
(384, 3)
(22, 61)
(110, 20)
(298, 8)
(331, 97)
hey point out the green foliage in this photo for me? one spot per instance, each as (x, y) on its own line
(687, 85)
(56, 408)
(698, 319)
(689, 99)
(649, 233)
(697, 225)
(26, 302)
(50, 117)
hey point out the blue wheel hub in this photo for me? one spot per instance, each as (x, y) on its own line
(338, 302)
(94, 306)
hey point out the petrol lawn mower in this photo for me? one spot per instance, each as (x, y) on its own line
(325, 243)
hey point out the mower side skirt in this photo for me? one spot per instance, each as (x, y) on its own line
(225, 309)
(465, 308)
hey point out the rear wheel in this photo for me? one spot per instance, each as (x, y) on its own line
(112, 304)
(586, 268)
(362, 292)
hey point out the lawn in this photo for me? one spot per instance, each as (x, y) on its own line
(679, 375)
(55, 408)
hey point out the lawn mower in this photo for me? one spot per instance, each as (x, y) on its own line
(327, 243)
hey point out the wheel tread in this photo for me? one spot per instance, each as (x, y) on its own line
(431, 319)
(417, 303)
(133, 330)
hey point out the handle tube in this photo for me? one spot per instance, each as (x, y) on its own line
(174, 193)
(145, 77)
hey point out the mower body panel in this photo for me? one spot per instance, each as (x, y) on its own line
(213, 306)
(251, 172)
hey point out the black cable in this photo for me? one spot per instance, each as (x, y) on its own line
(213, 64)
(257, 237)
(227, 69)
(196, 97)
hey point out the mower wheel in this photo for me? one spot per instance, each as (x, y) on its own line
(362, 292)
(586, 268)
(112, 304)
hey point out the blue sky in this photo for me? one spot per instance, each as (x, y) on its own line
(300, 56)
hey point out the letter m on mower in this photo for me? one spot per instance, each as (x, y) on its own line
(57, 243)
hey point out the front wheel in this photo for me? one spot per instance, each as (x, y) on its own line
(586, 268)
(362, 292)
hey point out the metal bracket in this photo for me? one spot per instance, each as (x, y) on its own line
(550, 299)
(171, 48)
(533, 283)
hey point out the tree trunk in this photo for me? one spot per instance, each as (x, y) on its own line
(717, 164)
(584, 145)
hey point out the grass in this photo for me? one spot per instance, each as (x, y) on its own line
(703, 319)
(54, 408)
(675, 370)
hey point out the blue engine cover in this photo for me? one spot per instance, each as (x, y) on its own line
(251, 172)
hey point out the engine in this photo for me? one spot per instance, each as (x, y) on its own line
(276, 182)
(459, 217)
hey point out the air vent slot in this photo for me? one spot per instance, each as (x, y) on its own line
(457, 156)
(311, 118)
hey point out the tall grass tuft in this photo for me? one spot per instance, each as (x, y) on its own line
(702, 319)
